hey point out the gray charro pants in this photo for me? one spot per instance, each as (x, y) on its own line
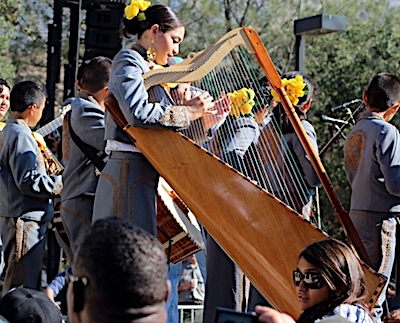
(377, 232)
(127, 190)
(76, 215)
(23, 245)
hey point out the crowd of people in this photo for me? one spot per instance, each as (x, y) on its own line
(118, 271)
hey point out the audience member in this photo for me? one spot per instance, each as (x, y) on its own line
(191, 284)
(25, 305)
(329, 281)
(119, 274)
(191, 288)
(57, 292)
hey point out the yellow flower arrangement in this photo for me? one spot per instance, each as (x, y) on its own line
(242, 101)
(294, 89)
(135, 7)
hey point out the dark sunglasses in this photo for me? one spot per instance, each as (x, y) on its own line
(69, 278)
(312, 280)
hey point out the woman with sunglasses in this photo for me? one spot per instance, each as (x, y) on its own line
(329, 281)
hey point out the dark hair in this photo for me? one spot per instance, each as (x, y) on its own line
(161, 15)
(383, 91)
(342, 272)
(280, 113)
(95, 74)
(126, 267)
(81, 70)
(3, 83)
(26, 93)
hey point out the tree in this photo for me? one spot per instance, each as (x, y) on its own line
(7, 19)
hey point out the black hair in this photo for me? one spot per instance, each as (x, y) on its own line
(280, 113)
(126, 267)
(26, 93)
(95, 74)
(163, 16)
(3, 83)
(81, 70)
(341, 271)
(383, 91)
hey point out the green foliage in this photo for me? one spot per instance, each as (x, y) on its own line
(10, 13)
(342, 64)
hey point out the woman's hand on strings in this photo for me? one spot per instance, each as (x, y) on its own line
(222, 106)
(201, 105)
(181, 94)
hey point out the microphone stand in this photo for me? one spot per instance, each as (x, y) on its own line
(339, 131)
(351, 118)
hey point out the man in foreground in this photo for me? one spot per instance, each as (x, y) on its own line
(119, 274)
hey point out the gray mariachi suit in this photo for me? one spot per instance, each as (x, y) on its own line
(80, 176)
(25, 204)
(372, 164)
(128, 184)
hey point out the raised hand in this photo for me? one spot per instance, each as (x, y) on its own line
(201, 105)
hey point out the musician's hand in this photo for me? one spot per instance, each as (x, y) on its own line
(222, 105)
(181, 94)
(270, 315)
(200, 105)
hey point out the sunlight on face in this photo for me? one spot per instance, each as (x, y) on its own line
(37, 114)
(309, 297)
(4, 101)
(167, 44)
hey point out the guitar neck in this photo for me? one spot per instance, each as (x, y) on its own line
(51, 126)
(56, 123)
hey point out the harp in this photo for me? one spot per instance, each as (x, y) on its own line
(261, 232)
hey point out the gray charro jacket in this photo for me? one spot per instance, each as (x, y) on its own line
(79, 176)
(25, 187)
(126, 84)
(372, 164)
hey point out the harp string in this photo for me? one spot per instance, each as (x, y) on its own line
(258, 151)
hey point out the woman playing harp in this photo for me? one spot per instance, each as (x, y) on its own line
(128, 174)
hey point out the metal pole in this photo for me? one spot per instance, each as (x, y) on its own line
(300, 52)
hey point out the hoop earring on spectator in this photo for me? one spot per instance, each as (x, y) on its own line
(151, 52)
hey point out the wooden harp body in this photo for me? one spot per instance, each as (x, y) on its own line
(261, 233)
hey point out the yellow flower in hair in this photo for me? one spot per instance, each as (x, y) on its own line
(133, 9)
(241, 102)
(295, 89)
(246, 108)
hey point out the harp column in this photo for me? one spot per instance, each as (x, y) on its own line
(316, 25)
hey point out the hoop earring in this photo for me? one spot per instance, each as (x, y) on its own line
(151, 52)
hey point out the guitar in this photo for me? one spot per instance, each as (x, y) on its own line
(56, 123)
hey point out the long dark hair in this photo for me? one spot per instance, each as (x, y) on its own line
(341, 271)
(279, 112)
(164, 16)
